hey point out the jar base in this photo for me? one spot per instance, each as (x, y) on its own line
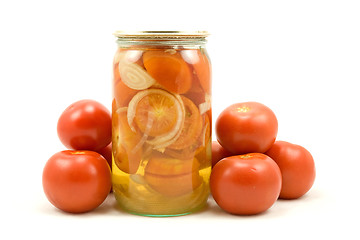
(195, 210)
(144, 201)
(158, 207)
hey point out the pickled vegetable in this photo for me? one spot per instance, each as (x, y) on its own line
(169, 70)
(161, 130)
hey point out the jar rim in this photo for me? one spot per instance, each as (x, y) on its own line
(161, 34)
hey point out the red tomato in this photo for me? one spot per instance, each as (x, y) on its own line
(246, 127)
(76, 181)
(218, 152)
(245, 184)
(297, 168)
(85, 125)
(106, 152)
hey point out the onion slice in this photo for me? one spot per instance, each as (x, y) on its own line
(134, 76)
(205, 106)
(144, 136)
(121, 110)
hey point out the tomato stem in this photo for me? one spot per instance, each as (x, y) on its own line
(243, 109)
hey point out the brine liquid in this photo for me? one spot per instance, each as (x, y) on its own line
(161, 117)
(136, 196)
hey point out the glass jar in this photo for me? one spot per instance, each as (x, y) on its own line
(161, 122)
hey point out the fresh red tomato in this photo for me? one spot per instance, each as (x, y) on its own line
(245, 184)
(106, 152)
(85, 125)
(218, 152)
(297, 168)
(76, 181)
(246, 127)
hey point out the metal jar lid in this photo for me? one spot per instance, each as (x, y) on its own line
(161, 34)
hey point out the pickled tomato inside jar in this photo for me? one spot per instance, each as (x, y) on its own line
(162, 118)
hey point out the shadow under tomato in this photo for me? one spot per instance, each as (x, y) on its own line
(215, 210)
(105, 208)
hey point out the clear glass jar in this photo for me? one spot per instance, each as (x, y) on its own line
(161, 122)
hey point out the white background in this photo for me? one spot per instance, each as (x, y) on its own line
(300, 58)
